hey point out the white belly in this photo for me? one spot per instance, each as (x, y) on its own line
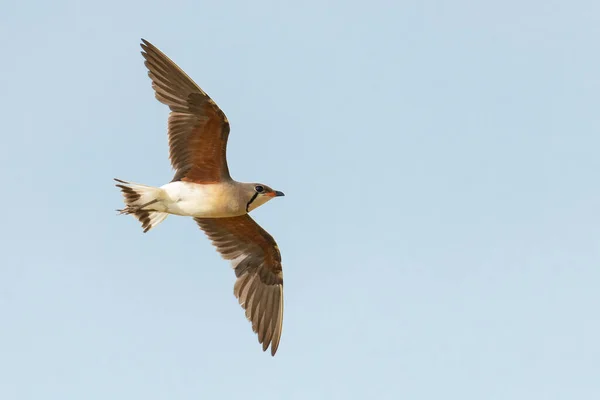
(197, 200)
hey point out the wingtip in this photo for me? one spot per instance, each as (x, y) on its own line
(274, 346)
(145, 45)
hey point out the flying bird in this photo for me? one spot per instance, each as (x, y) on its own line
(203, 189)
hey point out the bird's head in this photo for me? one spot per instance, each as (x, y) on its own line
(258, 194)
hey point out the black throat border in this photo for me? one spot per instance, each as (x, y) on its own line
(251, 200)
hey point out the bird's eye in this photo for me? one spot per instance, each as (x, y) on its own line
(259, 188)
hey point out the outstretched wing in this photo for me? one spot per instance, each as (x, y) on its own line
(198, 129)
(257, 263)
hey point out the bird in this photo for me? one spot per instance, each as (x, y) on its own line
(203, 189)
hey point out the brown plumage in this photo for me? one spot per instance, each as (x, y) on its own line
(257, 264)
(198, 129)
(202, 188)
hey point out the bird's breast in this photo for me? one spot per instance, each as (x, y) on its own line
(202, 200)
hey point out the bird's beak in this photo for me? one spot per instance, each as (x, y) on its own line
(275, 193)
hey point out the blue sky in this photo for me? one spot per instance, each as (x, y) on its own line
(440, 231)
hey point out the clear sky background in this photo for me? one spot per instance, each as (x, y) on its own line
(441, 226)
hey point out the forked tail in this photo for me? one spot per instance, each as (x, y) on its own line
(138, 202)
